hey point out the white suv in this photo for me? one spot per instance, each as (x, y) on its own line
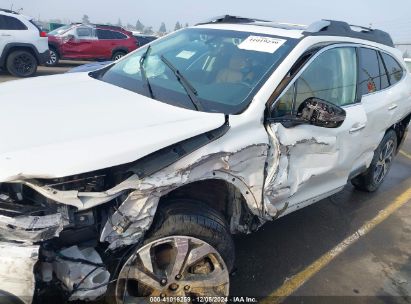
(129, 181)
(23, 46)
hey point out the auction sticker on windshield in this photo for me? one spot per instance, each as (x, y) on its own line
(261, 44)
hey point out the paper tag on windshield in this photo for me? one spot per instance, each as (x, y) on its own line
(185, 54)
(261, 44)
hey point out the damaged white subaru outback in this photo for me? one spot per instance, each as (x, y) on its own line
(129, 181)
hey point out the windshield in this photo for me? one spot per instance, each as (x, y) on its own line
(218, 69)
(60, 30)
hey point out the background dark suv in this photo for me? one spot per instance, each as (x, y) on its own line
(90, 42)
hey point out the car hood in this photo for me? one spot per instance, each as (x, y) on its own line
(89, 67)
(68, 124)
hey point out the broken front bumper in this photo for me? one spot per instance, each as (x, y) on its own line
(16, 272)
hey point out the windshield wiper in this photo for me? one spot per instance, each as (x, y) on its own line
(190, 90)
(143, 71)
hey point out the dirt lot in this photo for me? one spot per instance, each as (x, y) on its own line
(307, 255)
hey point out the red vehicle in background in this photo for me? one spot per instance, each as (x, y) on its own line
(90, 42)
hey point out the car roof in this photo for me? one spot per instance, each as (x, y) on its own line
(14, 14)
(318, 28)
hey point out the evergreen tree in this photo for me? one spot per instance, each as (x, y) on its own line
(139, 26)
(178, 26)
(85, 19)
(163, 28)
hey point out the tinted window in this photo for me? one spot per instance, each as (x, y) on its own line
(118, 35)
(84, 32)
(369, 74)
(108, 34)
(104, 34)
(10, 23)
(384, 76)
(394, 69)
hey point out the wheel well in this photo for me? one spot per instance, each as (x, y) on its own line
(400, 129)
(219, 195)
(21, 48)
(55, 48)
(120, 50)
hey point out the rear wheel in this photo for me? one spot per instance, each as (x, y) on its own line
(380, 165)
(189, 253)
(118, 55)
(21, 64)
(54, 58)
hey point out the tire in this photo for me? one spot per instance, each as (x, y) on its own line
(381, 163)
(197, 220)
(180, 222)
(54, 58)
(118, 55)
(21, 64)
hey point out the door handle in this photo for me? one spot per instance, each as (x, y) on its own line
(5, 35)
(357, 127)
(392, 107)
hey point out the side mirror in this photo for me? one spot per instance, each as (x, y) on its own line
(321, 113)
(70, 37)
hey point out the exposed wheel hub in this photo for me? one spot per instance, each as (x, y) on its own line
(173, 266)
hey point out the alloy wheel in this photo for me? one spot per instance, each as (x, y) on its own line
(384, 161)
(53, 58)
(175, 266)
(24, 64)
(118, 56)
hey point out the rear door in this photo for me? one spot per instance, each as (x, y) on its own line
(79, 43)
(109, 41)
(380, 93)
(311, 162)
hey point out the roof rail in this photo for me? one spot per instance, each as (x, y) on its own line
(231, 19)
(341, 28)
(8, 11)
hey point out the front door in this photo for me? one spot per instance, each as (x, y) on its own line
(79, 45)
(309, 162)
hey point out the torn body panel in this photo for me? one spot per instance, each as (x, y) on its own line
(16, 270)
(299, 163)
(242, 169)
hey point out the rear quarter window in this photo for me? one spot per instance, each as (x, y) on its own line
(394, 69)
(11, 23)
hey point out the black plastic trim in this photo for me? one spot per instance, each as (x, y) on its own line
(8, 47)
(343, 29)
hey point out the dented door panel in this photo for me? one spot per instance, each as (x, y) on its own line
(313, 160)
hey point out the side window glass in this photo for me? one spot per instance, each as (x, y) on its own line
(284, 106)
(10, 23)
(104, 35)
(118, 35)
(2, 23)
(369, 73)
(383, 73)
(332, 76)
(394, 69)
(84, 32)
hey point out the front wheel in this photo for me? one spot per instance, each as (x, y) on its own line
(21, 64)
(371, 180)
(189, 253)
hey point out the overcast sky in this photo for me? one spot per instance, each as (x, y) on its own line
(393, 16)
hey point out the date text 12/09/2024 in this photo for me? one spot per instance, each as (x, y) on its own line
(203, 299)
